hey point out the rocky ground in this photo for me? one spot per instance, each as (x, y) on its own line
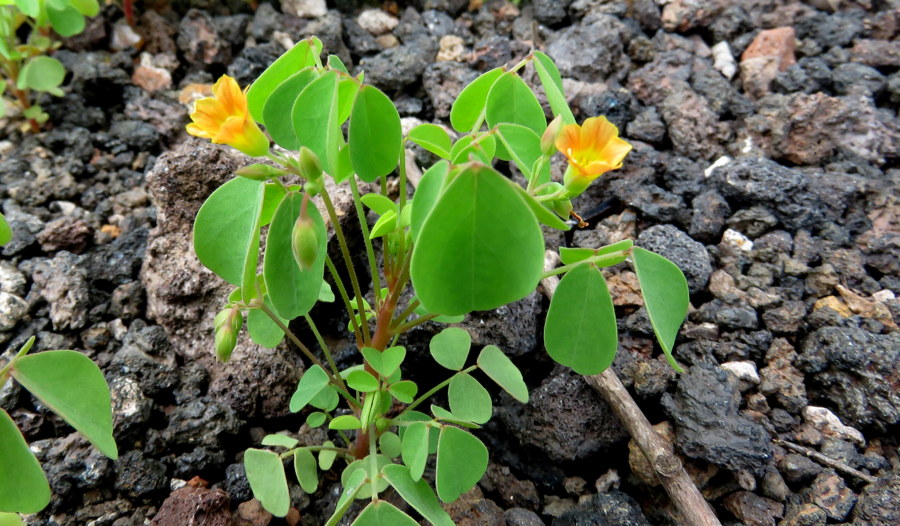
(765, 165)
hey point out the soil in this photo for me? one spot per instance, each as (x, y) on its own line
(765, 164)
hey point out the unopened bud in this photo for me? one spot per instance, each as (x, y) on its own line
(228, 324)
(310, 166)
(259, 172)
(304, 242)
(313, 187)
(226, 339)
(548, 139)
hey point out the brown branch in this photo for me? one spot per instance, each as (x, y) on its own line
(824, 459)
(678, 484)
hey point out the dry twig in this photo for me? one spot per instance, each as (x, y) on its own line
(824, 459)
(694, 509)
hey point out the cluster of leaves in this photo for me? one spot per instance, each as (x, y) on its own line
(52, 377)
(25, 66)
(469, 239)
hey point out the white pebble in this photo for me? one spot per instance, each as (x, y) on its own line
(829, 424)
(738, 240)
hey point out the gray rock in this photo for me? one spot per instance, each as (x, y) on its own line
(249, 64)
(708, 219)
(854, 372)
(798, 468)
(12, 310)
(785, 319)
(753, 510)
(854, 77)
(564, 418)
(522, 517)
(878, 502)
(443, 81)
(11, 279)
(830, 492)
(154, 374)
(236, 483)
(63, 282)
(199, 461)
(72, 465)
(200, 42)
(202, 422)
(330, 31)
(66, 233)
(136, 134)
(258, 384)
(139, 476)
(591, 52)
(647, 126)
(395, 68)
(550, 12)
(605, 509)
(690, 256)
(737, 318)
(706, 411)
(25, 228)
(131, 409)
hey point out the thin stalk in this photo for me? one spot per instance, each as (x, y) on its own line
(342, 292)
(434, 390)
(345, 252)
(402, 170)
(324, 346)
(289, 453)
(373, 461)
(293, 337)
(414, 323)
(364, 226)
(406, 313)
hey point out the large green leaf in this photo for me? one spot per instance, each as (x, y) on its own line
(501, 370)
(305, 469)
(23, 486)
(522, 144)
(580, 329)
(469, 400)
(10, 519)
(301, 56)
(292, 290)
(66, 21)
(265, 473)
(461, 462)
(414, 448)
(70, 384)
(263, 331)
(417, 493)
(313, 381)
(480, 247)
(469, 105)
(450, 347)
(278, 121)
(551, 81)
(433, 138)
(381, 513)
(427, 193)
(6, 233)
(511, 100)
(315, 119)
(42, 74)
(224, 228)
(375, 137)
(666, 297)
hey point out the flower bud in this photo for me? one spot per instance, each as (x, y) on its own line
(304, 242)
(310, 166)
(226, 339)
(228, 324)
(313, 187)
(259, 172)
(548, 139)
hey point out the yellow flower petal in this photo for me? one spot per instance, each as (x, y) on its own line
(224, 119)
(592, 149)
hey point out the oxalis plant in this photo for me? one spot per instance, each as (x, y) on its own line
(468, 240)
(25, 67)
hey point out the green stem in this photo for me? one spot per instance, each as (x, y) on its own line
(291, 336)
(414, 323)
(433, 390)
(406, 313)
(596, 260)
(364, 226)
(402, 170)
(348, 261)
(342, 292)
(373, 461)
(321, 341)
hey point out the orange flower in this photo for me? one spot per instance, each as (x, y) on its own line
(224, 119)
(593, 149)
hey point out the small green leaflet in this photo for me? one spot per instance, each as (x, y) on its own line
(265, 473)
(666, 297)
